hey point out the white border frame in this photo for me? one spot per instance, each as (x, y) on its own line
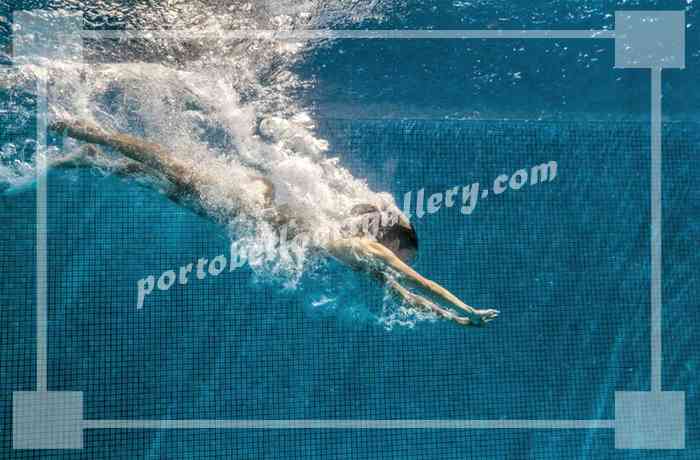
(656, 266)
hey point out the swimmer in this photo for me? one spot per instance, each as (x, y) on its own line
(384, 256)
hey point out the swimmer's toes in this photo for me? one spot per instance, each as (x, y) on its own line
(486, 316)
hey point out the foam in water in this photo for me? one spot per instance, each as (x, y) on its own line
(222, 106)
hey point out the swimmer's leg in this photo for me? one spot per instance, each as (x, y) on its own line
(91, 156)
(148, 154)
(157, 162)
(153, 157)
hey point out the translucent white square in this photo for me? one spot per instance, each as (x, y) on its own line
(646, 39)
(649, 420)
(46, 34)
(47, 420)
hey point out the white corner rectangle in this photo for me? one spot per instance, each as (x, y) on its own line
(650, 39)
(47, 420)
(649, 420)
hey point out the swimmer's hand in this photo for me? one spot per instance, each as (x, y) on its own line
(475, 318)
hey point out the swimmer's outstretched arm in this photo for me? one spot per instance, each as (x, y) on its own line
(379, 258)
(423, 303)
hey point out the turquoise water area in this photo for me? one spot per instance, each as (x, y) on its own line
(567, 262)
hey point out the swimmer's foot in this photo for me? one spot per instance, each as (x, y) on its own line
(476, 318)
(481, 317)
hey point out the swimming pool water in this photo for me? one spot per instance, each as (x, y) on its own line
(567, 263)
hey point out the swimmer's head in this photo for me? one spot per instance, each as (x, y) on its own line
(393, 230)
(401, 240)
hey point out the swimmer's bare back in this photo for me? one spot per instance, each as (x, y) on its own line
(359, 253)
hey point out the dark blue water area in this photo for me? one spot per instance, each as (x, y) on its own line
(566, 262)
(475, 78)
(530, 79)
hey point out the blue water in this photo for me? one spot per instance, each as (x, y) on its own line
(567, 263)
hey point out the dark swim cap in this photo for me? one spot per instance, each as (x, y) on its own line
(398, 236)
(401, 240)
